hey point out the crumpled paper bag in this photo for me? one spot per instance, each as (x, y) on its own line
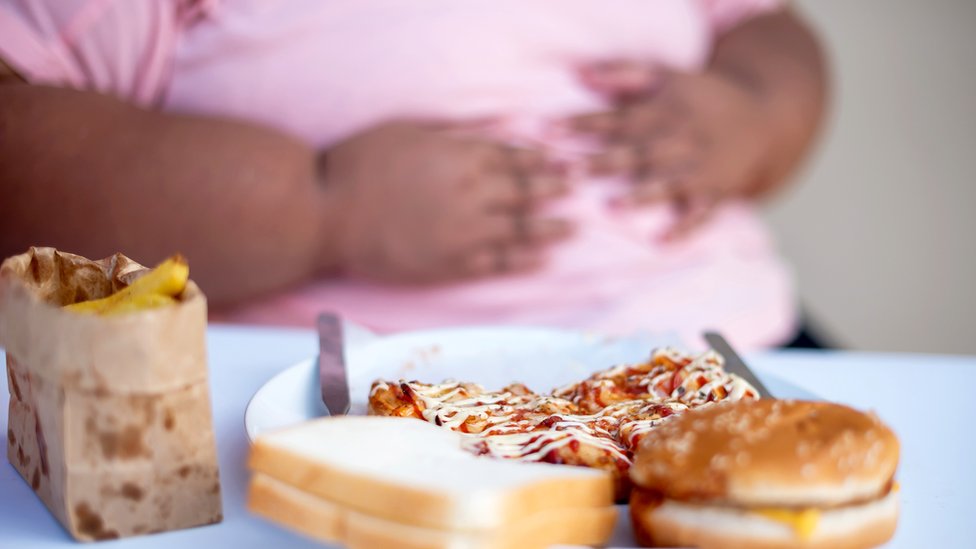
(110, 420)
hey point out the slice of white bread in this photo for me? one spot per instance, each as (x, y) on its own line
(415, 473)
(331, 523)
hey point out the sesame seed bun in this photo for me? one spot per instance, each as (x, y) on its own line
(769, 453)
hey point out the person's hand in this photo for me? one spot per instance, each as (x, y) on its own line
(421, 205)
(689, 139)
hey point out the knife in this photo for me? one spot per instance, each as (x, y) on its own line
(734, 364)
(332, 365)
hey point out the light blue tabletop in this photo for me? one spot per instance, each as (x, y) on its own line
(927, 399)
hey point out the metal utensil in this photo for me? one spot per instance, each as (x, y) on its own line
(332, 365)
(734, 364)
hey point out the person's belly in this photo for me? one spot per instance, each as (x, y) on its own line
(326, 70)
(607, 280)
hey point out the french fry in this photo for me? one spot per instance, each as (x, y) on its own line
(139, 303)
(157, 288)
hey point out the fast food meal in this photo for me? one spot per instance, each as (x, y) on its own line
(715, 466)
(597, 422)
(110, 421)
(769, 474)
(377, 482)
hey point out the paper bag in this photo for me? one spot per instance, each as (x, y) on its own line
(110, 420)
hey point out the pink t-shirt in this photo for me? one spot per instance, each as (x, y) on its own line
(324, 70)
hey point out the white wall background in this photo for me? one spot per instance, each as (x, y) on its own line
(881, 225)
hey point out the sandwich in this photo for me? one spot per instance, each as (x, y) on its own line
(766, 474)
(371, 482)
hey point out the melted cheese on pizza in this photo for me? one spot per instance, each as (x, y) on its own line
(597, 422)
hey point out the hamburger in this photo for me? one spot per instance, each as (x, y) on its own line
(766, 474)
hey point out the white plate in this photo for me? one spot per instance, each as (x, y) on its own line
(541, 358)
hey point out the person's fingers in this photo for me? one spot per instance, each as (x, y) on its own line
(535, 190)
(523, 191)
(500, 259)
(481, 262)
(672, 153)
(527, 161)
(542, 230)
(518, 258)
(617, 159)
(506, 159)
(526, 192)
(650, 119)
(659, 155)
(601, 125)
(663, 154)
(621, 79)
(647, 120)
(522, 227)
(652, 190)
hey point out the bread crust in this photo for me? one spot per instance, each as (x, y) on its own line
(773, 453)
(294, 509)
(421, 506)
(330, 522)
(671, 524)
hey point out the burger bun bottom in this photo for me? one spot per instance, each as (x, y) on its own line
(677, 524)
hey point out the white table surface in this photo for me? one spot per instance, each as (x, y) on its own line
(926, 399)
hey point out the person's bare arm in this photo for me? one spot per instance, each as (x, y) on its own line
(93, 175)
(778, 57)
(257, 211)
(8, 74)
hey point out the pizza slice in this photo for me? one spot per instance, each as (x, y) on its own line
(668, 375)
(598, 422)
